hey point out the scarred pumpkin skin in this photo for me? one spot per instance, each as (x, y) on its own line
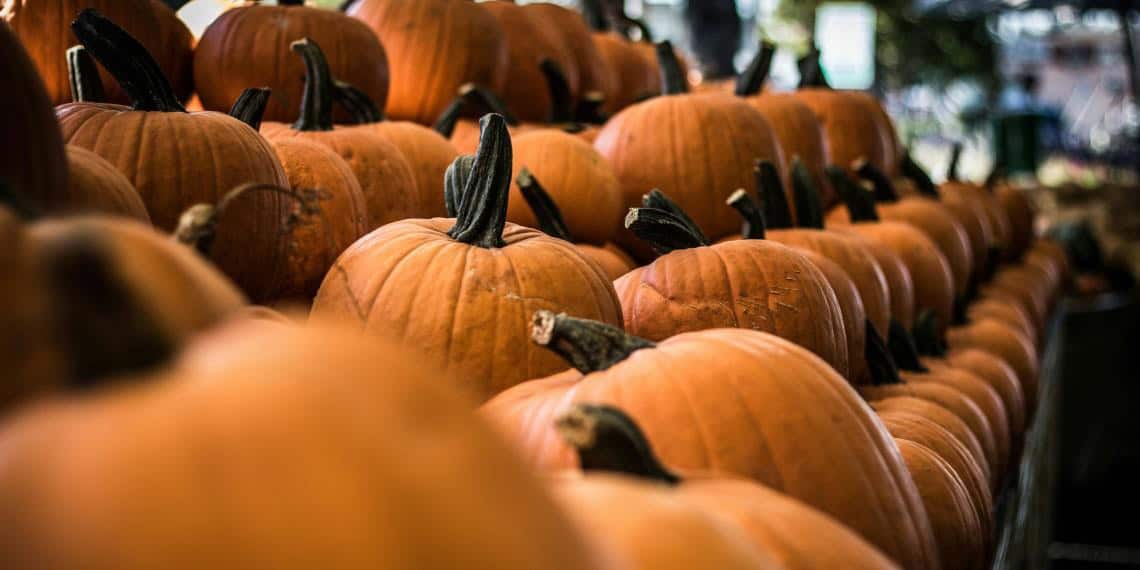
(249, 46)
(342, 411)
(434, 47)
(42, 25)
(531, 39)
(95, 186)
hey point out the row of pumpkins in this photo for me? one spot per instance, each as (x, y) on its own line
(716, 346)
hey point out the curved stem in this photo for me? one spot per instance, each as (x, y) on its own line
(607, 439)
(445, 124)
(901, 344)
(595, 16)
(358, 104)
(884, 188)
(589, 109)
(673, 81)
(811, 72)
(198, 225)
(879, 360)
(316, 103)
(860, 204)
(662, 230)
(750, 82)
(659, 200)
(774, 201)
(955, 157)
(918, 175)
(561, 101)
(588, 346)
(809, 205)
(486, 101)
(128, 62)
(86, 86)
(549, 217)
(482, 211)
(455, 180)
(926, 336)
(250, 106)
(752, 225)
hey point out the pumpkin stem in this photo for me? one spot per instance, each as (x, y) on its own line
(659, 200)
(750, 82)
(663, 230)
(358, 104)
(673, 81)
(997, 173)
(317, 100)
(549, 217)
(860, 204)
(486, 101)
(811, 72)
(926, 337)
(198, 225)
(561, 101)
(588, 346)
(445, 124)
(955, 157)
(455, 180)
(607, 439)
(250, 106)
(290, 2)
(918, 175)
(901, 344)
(752, 225)
(128, 62)
(879, 360)
(882, 185)
(86, 87)
(589, 109)
(809, 206)
(482, 205)
(595, 16)
(775, 202)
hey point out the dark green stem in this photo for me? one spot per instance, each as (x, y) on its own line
(662, 230)
(860, 204)
(926, 336)
(455, 180)
(811, 72)
(486, 101)
(882, 185)
(561, 101)
(317, 101)
(128, 62)
(549, 217)
(955, 157)
(607, 439)
(673, 81)
(879, 360)
(750, 82)
(903, 351)
(752, 224)
(659, 200)
(445, 124)
(809, 205)
(589, 109)
(588, 346)
(772, 197)
(918, 175)
(358, 104)
(86, 86)
(250, 106)
(595, 16)
(482, 211)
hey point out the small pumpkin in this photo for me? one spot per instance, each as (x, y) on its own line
(1008, 344)
(999, 375)
(95, 186)
(942, 417)
(1012, 313)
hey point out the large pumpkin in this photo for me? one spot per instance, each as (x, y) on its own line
(467, 304)
(329, 414)
(530, 40)
(434, 47)
(849, 126)
(594, 76)
(248, 46)
(731, 401)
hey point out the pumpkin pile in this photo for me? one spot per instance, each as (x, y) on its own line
(444, 283)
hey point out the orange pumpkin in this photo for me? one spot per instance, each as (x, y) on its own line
(1011, 313)
(999, 375)
(931, 412)
(851, 129)
(531, 39)
(1006, 343)
(1020, 212)
(94, 186)
(594, 75)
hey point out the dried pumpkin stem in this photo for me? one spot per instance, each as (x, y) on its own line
(317, 98)
(250, 106)
(880, 182)
(198, 225)
(900, 342)
(811, 72)
(673, 81)
(805, 194)
(752, 225)
(561, 101)
(127, 61)
(662, 230)
(860, 204)
(657, 199)
(912, 170)
(482, 205)
(589, 109)
(773, 199)
(549, 217)
(358, 104)
(588, 346)
(83, 76)
(752, 79)
(879, 359)
(454, 180)
(607, 439)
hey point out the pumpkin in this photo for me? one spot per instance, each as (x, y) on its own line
(386, 178)
(333, 452)
(961, 541)
(1054, 252)
(892, 144)
(697, 148)
(434, 47)
(942, 417)
(981, 234)
(1013, 314)
(635, 76)
(1006, 343)
(849, 126)
(986, 203)
(33, 162)
(747, 411)
(611, 447)
(748, 284)
(999, 375)
(548, 215)
(594, 76)
(249, 46)
(95, 186)
(42, 26)
(1020, 212)
(531, 39)
(1026, 285)
(484, 279)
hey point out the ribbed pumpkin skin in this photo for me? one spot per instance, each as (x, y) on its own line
(697, 149)
(33, 162)
(613, 261)
(751, 387)
(529, 40)
(800, 135)
(961, 543)
(341, 411)
(94, 186)
(468, 309)
(1005, 342)
(944, 418)
(748, 284)
(428, 154)
(635, 75)
(1001, 377)
(576, 177)
(434, 47)
(249, 46)
(900, 286)
(851, 309)
(43, 26)
(851, 130)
